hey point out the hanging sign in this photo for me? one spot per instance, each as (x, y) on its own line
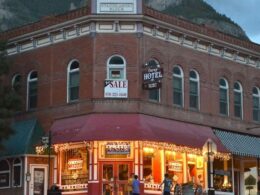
(75, 163)
(116, 89)
(152, 76)
(118, 148)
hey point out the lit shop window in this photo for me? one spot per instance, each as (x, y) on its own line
(194, 90)
(222, 175)
(177, 79)
(32, 90)
(4, 174)
(116, 68)
(256, 104)
(223, 97)
(17, 173)
(238, 100)
(74, 172)
(73, 81)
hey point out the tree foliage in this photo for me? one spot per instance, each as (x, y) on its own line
(10, 101)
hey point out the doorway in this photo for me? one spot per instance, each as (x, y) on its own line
(38, 183)
(114, 177)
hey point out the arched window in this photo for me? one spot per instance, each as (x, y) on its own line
(256, 104)
(154, 94)
(116, 68)
(223, 97)
(177, 80)
(238, 100)
(32, 90)
(16, 82)
(4, 174)
(17, 173)
(194, 90)
(73, 81)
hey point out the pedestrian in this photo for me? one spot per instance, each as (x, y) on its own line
(167, 185)
(130, 182)
(136, 185)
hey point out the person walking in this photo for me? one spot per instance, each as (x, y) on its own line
(136, 185)
(167, 185)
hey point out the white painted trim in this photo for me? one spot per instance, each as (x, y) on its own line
(32, 167)
(76, 192)
(25, 171)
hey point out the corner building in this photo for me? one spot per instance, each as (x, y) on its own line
(119, 88)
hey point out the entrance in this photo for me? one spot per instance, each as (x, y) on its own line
(38, 183)
(114, 177)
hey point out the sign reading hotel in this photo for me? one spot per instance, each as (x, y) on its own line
(116, 6)
(116, 89)
(151, 77)
(118, 148)
(75, 163)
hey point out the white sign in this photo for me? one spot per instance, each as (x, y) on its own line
(116, 6)
(116, 89)
(175, 166)
(74, 164)
(118, 148)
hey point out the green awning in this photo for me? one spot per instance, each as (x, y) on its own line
(240, 144)
(27, 134)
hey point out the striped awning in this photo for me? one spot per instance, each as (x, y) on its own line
(240, 144)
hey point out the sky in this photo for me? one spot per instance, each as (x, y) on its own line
(246, 13)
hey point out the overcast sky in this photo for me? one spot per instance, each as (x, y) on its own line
(246, 13)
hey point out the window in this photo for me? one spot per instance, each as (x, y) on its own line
(4, 174)
(16, 82)
(154, 94)
(238, 100)
(116, 68)
(17, 173)
(32, 90)
(194, 90)
(223, 97)
(256, 104)
(73, 81)
(177, 86)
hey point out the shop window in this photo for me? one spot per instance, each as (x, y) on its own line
(194, 90)
(238, 100)
(4, 174)
(17, 173)
(74, 172)
(16, 83)
(223, 97)
(256, 104)
(178, 86)
(73, 81)
(32, 90)
(222, 175)
(116, 68)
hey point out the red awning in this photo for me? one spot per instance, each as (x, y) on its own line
(131, 127)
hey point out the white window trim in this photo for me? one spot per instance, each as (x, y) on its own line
(123, 66)
(27, 92)
(227, 89)
(16, 165)
(182, 83)
(14, 78)
(9, 171)
(197, 80)
(68, 78)
(240, 91)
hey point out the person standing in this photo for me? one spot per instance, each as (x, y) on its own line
(167, 185)
(130, 182)
(136, 185)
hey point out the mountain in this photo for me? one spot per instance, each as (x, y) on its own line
(14, 13)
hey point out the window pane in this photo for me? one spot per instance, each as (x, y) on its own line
(33, 94)
(17, 176)
(74, 93)
(256, 109)
(177, 91)
(116, 60)
(154, 94)
(116, 73)
(123, 172)
(74, 79)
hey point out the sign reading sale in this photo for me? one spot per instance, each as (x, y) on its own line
(116, 89)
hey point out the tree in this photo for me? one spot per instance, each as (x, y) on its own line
(10, 100)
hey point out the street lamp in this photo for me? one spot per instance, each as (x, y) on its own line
(46, 140)
(209, 150)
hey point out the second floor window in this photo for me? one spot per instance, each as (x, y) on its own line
(223, 96)
(116, 68)
(194, 90)
(177, 86)
(16, 83)
(73, 81)
(238, 100)
(256, 104)
(32, 90)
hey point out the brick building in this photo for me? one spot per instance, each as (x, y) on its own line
(120, 88)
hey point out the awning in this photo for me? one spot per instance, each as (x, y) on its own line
(240, 144)
(131, 127)
(27, 134)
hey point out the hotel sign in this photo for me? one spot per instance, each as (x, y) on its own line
(152, 77)
(118, 148)
(116, 6)
(116, 89)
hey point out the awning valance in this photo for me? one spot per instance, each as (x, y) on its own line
(27, 134)
(131, 127)
(240, 144)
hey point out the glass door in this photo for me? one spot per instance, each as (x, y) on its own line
(114, 176)
(38, 183)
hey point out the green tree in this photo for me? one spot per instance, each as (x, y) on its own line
(10, 100)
